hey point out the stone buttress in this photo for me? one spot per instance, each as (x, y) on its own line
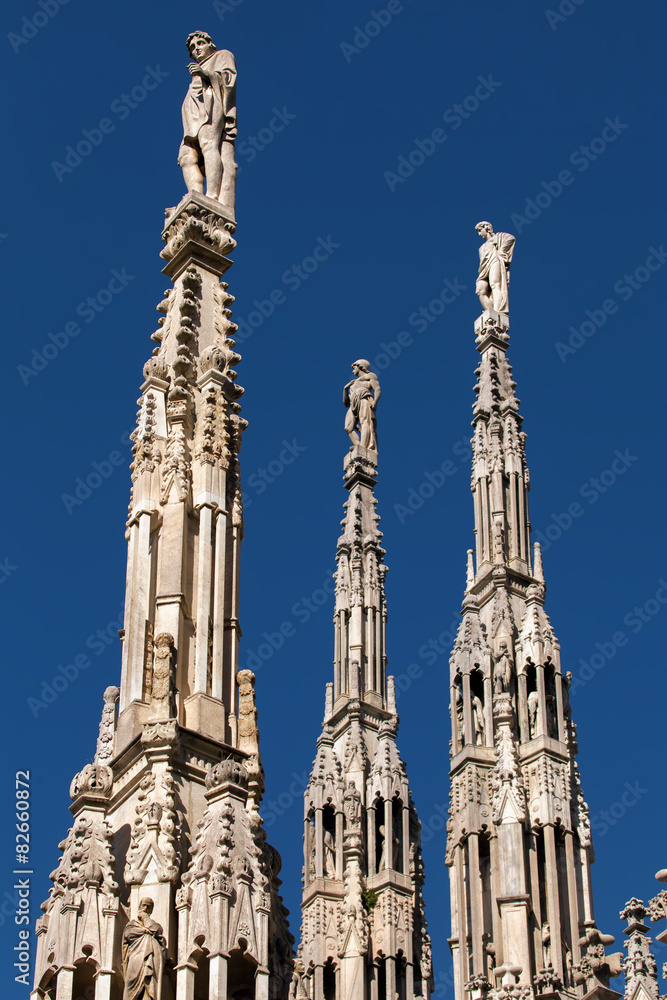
(519, 846)
(170, 807)
(364, 933)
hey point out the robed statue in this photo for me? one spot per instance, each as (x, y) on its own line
(144, 949)
(209, 122)
(495, 257)
(361, 395)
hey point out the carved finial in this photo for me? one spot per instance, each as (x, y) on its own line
(209, 113)
(105, 740)
(328, 701)
(360, 396)
(538, 571)
(470, 571)
(495, 256)
(391, 695)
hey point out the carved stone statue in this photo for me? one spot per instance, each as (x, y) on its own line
(552, 725)
(144, 949)
(162, 685)
(478, 720)
(502, 674)
(297, 986)
(493, 279)
(329, 855)
(361, 395)
(209, 121)
(352, 806)
(458, 698)
(532, 712)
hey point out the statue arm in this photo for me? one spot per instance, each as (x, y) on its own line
(377, 392)
(506, 247)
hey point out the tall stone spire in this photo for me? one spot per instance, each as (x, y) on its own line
(166, 886)
(519, 845)
(363, 927)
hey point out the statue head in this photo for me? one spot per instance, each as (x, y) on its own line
(146, 905)
(200, 45)
(362, 365)
(485, 230)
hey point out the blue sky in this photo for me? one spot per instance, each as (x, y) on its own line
(386, 144)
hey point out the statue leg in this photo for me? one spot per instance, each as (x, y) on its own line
(188, 161)
(483, 292)
(212, 161)
(229, 168)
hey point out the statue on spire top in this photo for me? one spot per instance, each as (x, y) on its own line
(495, 256)
(209, 121)
(361, 395)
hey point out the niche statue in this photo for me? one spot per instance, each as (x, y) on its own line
(144, 949)
(209, 122)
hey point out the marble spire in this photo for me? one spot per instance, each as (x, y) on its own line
(519, 846)
(363, 927)
(166, 886)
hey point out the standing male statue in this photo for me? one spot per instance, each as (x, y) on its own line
(144, 948)
(361, 396)
(209, 122)
(495, 256)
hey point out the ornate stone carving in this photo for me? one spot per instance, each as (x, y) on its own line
(176, 468)
(161, 700)
(87, 859)
(547, 981)
(360, 396)
(657, 906)
(227, 771)
(507, 781)
(639, 965)
(201, 226)
(160, 732)
(93, 779)
(595, 967)
(156, 367)
(105, 740)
